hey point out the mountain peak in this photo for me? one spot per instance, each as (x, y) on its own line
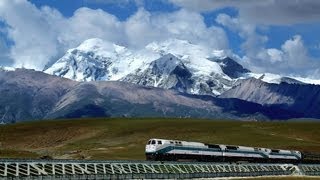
(100, 47)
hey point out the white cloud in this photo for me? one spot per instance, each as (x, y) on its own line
(87, 23)
(140, 28)
(275, 12)
(143, 27)
(42, 35)
(275, 55)
(295, 51)
(31, 33)
(253, 42)
(292, 58)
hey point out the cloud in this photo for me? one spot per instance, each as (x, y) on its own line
(29, 30)
(5, 59)
(41, 36)
(295, 51)
(143, 27)
(267, 12)
(292, 58)
(253, 42)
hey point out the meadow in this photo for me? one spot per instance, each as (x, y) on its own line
(124, 138)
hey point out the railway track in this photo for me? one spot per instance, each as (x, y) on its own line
(89, 169)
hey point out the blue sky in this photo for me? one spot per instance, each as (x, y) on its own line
(267, 36)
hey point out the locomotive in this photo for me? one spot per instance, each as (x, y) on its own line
(176, 150)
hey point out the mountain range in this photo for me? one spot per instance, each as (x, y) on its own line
(172, 64)
(303, 99)
(28, 94)
(173, 78)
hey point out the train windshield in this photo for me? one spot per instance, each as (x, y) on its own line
(152, 141)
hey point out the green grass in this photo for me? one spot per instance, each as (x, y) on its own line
(126, 138)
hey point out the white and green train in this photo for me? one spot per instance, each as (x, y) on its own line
(174, 150)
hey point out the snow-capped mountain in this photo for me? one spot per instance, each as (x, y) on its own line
(171, 64)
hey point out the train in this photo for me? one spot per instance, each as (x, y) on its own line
(177, 150)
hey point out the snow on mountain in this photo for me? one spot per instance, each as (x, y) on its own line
(166, 72)
(4, 68)
(308, 80)
(206, 76)
(195, 56)
(96, 59)
(277, 79)
(265, 77)
(171, 64)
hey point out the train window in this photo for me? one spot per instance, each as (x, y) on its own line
(275, 150)
(159, 142)
(179, 143)
(232, 147)
(153, 142)
(171, 142)
(213, 146)
(149, 142)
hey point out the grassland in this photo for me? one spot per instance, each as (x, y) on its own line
(126, 138)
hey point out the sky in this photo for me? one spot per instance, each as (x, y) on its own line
(273, 36)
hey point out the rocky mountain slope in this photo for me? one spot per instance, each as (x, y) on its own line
(28, 95)
(301, 98)
(230, 67)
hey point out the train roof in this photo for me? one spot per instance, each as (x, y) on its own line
(188, 143)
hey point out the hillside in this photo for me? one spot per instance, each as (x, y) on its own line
(300, 98)
(33, 95)
(126, 138)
